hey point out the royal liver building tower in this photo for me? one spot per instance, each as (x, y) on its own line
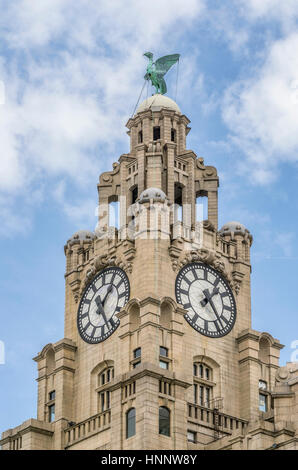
(158, 349)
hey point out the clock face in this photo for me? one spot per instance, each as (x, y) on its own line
(103, 298)
(208, 299)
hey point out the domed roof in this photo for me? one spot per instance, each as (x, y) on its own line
(81, 236)
(152, 193)
(158, 101)
(235, 228)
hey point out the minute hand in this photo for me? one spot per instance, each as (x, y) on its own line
(208, 296)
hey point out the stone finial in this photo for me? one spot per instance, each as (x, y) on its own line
(235, 228)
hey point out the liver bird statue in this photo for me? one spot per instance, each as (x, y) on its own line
(156, 70)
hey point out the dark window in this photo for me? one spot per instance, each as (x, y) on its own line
(201, 395)
(262, 402)
(108, 401)
(51, 413)
(134, 195)
(156, 133)
(108, 375)
(207, 372)
(103, 379)
(137, 353)
(195, 369)
(130, 423)
(140, 137)
(173, 135)
(164, 421)
(102, 401)
(195, 392)
(201, 371)
(52, 395)
(163, 351)
(136, 364)
(207, 397)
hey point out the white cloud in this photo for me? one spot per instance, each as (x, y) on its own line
(70, 74)
(261, 112)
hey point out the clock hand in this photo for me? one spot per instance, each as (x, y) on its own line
(100, 308)
(107, 293)
(208, 296)
(214, 292)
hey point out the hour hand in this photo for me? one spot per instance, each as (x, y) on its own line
(100, 308)
(208, 296)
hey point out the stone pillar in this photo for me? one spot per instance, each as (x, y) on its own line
(249, 368)
(170, 171)
(154, 170)
(213, 208)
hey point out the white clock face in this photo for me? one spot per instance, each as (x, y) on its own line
(208, 299)
(103, 298)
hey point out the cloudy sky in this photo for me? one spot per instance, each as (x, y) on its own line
(70, 77)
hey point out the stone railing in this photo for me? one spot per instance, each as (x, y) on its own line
(215, 419)
(87, 428)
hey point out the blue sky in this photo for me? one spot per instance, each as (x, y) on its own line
(70, 74)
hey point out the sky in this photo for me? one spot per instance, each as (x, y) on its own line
(70, 77)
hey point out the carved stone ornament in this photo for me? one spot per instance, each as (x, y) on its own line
(209, 257)
(103, 261)
(107, 176)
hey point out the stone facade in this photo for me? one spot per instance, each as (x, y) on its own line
(86, 390)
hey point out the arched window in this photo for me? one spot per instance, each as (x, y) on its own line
(201, 206)
(130, 423)
(114, 213)
(202, 384)
(50, 361)
(104, 394)
(164, 421)
(178, 202)
(264, 350)
(156, 133)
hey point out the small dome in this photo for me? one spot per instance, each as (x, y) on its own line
(158, 101)
(235, 228)
(152, 193)
(81, 236)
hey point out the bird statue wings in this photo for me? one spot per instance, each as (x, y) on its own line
(156, 70)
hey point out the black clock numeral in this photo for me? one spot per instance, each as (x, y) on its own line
(223, 318)
(186, 306)
(121, 295)
(93, 332)
(226, 307)
(93, 287)
(182, 291)
(194, 318)
(223, 294)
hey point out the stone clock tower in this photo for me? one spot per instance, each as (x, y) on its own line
(158, 349)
